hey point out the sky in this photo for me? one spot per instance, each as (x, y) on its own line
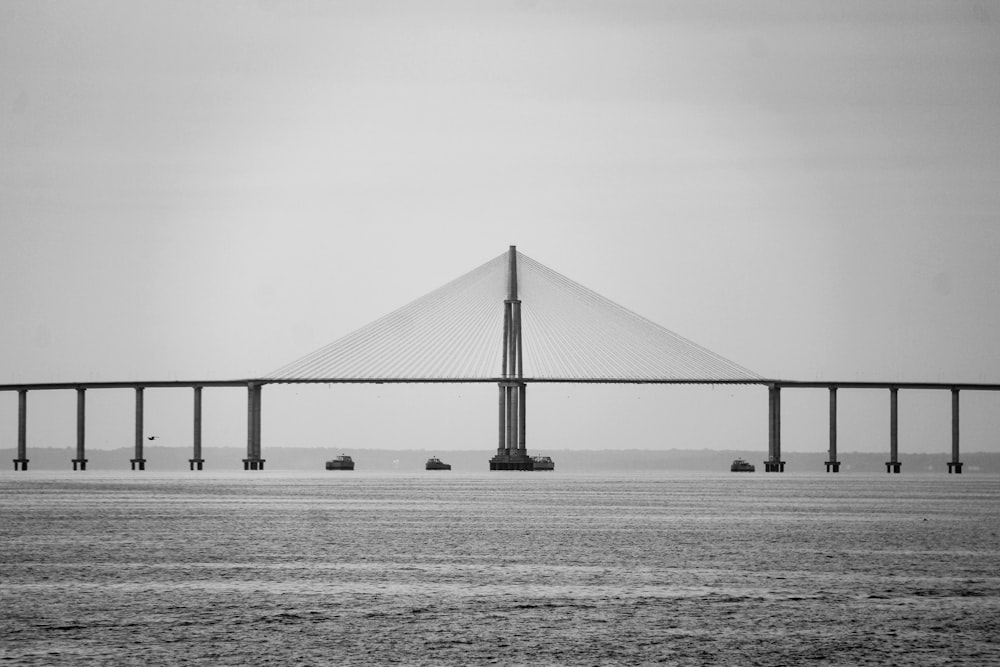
(211, 190)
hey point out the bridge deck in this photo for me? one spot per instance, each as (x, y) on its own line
(783, 384)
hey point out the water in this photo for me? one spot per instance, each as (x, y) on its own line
(501, 568)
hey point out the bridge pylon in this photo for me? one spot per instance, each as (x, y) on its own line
(512, 452)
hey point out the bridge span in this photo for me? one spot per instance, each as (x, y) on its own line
(511, 315)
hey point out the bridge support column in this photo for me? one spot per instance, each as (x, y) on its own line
(774, 462)
(511, 450)
(21, 462)
(893, 465)
(502, 444)
(955, 464)
(833, 465)
(522, 448)
(81, 418)
(512, 413)
(139, 460)
(196, 459)
(253, 460)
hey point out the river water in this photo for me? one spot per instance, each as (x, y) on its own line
(349, 568)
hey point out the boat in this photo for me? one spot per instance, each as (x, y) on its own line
(342, 462)
(434, 463)
(739, 465)
(542, 463)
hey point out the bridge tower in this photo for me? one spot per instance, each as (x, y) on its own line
(512, 453)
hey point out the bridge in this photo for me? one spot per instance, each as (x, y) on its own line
(512, 321)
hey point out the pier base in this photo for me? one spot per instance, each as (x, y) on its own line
(22, 464)
(833, 466)
(251, 464)
(505, 462)
(957, 465)
(774, 466)
(80, 462)
(140, 462)
(196, 462)
(892, 466)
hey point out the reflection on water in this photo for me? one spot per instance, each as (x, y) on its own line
(256, 568)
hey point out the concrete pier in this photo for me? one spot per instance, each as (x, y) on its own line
(511, 452)
(138, 461)
(253, 460)
(21, 462)
(774, 462)
(80, 462)
(196, 462)
(833, 465)
(893, 465)
(955, 464)
(502, 429)
(522, 447)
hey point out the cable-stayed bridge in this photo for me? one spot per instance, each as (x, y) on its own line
(549, 329)
(511, 321)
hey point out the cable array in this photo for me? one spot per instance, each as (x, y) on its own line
(569, 332)
(573, 333)
(454, 332)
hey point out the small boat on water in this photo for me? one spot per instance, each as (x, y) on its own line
(434, 463)
(342, 462)
(739, 465)
(542, 463)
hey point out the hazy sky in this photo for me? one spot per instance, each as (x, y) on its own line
(196, 190)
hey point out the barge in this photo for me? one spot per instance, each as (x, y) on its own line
(434, 463)
(342, 462)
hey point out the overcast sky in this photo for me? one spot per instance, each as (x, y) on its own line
(196, 190)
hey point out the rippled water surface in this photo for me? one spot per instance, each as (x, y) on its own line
(501, 568)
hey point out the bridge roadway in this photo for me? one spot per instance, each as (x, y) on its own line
(254, 386)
